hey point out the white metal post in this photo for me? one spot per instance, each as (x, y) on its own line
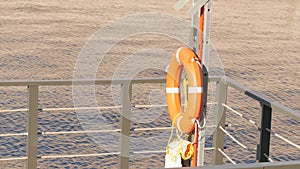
(218, 140)
(206, 34)
(32, 125)
(125, 125)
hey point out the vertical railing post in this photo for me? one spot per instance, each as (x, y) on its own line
(263, 146)
(201, 141)
(125, 125)
(32, 126)
(218, 137)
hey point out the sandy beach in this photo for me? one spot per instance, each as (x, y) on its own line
(256, 41)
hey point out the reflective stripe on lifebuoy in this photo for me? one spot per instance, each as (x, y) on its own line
(184, 58)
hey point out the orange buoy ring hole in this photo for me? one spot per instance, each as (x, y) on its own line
(187, 59)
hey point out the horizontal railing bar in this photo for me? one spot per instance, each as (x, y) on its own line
(149, 106)
(60, 109)
(282, 138)
(87, 81)
(79, 132)
(13, 158)
(225, 155)
(212, 103)
(240, 114)
(162, 105)
(149, 152)
(285, 110)
(13, 134)
(261, 98)
(164, 151)
(80, 82)
(141, 80)
(267, 165)
(234, 139)
(164, 128)
(209, 148)
(15, 110)
(80, 108)
(77, 155)
(155, 128)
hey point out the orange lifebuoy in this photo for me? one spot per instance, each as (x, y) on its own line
(184, 58)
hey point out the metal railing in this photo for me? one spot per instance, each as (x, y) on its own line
(33, 109)
(267, 106)
(222, 85)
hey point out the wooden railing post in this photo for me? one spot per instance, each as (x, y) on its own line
(263, 146)
(218, 137)
(125, 126)
(32, 126)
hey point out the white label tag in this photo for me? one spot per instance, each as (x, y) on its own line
(172, 160)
